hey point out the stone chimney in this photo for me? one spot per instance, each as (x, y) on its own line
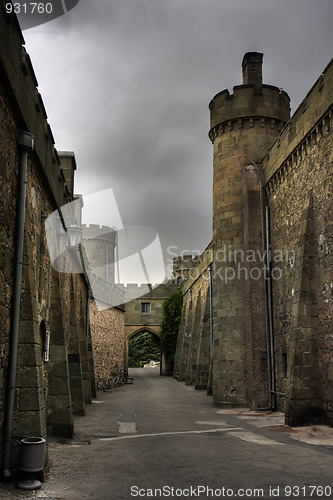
(252, 68)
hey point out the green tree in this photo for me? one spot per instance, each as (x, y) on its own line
(172, 311)
(143, 347)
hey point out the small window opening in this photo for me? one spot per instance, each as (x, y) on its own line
(145, 307)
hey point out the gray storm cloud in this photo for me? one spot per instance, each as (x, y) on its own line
(126, 85)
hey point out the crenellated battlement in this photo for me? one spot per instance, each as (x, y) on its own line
(311, 122)
(248, 106)
(101, 233)
(148, 290)
(22, 83)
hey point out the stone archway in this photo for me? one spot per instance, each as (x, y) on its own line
(131, 331)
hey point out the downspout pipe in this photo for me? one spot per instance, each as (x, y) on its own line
(270, 320)
(269, 306)
(210, 315)
(25, 144)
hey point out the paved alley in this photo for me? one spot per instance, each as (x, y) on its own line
(158, 438)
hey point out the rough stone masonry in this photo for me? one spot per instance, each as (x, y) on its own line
(270, 308)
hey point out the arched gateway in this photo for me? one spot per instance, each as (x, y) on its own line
(144, 314)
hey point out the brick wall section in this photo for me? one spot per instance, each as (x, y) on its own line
(107, 332)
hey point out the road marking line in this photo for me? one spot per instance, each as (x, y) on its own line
(203, 422)
(175, 433)
(255, 438)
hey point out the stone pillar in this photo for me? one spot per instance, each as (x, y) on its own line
(303, 391)
(193, 352)
(59, 404)
(83, 347)
(186, 325)
(202, 373)
(256, 359)
(180, 342)
(31, 386)
(74, 360)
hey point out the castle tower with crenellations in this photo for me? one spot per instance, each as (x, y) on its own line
(100, 246)
(244, 124)
(258, 306)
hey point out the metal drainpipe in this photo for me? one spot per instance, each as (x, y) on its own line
(26, 144)
(271, 359)
(210, 314)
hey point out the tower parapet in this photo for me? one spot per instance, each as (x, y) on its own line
(103, 233)
(182, 266)
(247, 108)
(252, 105)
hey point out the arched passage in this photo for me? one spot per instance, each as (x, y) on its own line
(131, 332)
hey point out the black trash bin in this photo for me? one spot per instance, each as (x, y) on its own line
(31, 462)
(32, 454)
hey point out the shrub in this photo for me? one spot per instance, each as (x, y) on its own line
(172, 311)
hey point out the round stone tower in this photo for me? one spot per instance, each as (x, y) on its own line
(243, 127)
(99, 244)
(182, 266)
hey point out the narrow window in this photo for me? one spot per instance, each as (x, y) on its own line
(145, 308)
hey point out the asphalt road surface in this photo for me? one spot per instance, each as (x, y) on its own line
(160, 439)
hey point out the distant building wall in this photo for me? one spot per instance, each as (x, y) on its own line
(107, 305)
(145, 311)
(107, 332)
(193, 354)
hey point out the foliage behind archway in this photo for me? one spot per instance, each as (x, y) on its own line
(144, 346)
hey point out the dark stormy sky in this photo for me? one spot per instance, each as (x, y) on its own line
(127, 83)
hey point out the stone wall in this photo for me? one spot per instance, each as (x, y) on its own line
(107, 332)
(193, 354)
(51, 384)
(146, 294)
(271, 252)
(299, 179)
